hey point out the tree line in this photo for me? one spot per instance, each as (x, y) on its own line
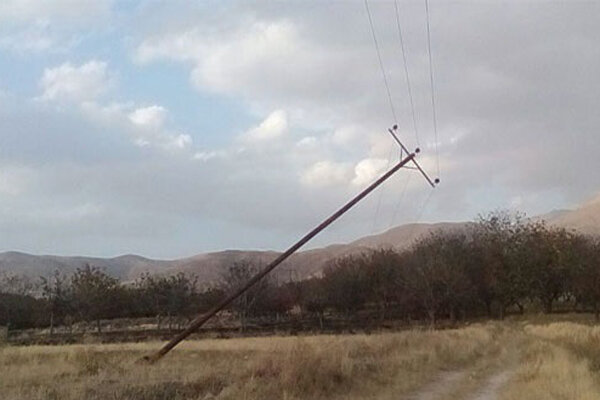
(500, 263)
(90, 295)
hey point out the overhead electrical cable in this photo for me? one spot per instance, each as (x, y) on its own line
(389, 96)
(407, 75)
(385, 80)
(431, 82)
(407, 157)
(420, 213)
(400, 199)
(377, 208)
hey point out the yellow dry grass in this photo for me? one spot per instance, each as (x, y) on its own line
(558, 362)
(505, 361)
(316, 367)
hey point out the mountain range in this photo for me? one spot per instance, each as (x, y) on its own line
(210, 266)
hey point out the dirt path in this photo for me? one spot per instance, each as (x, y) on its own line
(490, 390)
(459, 385)
(481, 381)
(440, 386)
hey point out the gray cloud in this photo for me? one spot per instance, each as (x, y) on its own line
(516, 89)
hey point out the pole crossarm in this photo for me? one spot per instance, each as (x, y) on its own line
(202, 319)
(434, 182)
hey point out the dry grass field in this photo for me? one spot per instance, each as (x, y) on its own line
(504, 361)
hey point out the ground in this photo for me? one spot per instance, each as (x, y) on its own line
(517, 359)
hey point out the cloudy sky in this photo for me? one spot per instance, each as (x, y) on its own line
(168, 128)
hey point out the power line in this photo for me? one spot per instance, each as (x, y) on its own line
(389, 95)
(420, 213)
(437, 152)
(400, 199)
(424, 206)
(376, 216)
(203, 318)
(410, 96)
(385, 80)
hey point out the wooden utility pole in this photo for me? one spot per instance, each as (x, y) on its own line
(202, 319)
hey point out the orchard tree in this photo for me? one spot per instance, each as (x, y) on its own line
(382, 268)
(586, 272)
(168, 296)
(56, 291)
(498, 243)
(440, 282)
(252, 302)
(93, 293)
(550, 260)
(313, 298)
(346, 283)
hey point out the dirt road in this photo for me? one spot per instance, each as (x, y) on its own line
(482, 381)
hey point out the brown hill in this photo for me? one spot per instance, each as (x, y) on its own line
(210, 266)
(123, 267)
(403, 236)
(585, 219)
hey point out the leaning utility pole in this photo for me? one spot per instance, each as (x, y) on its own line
(202, 319)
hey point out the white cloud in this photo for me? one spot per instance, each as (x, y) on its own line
(152, 117)
(149, 129)
(35, 38)
(81, 83)
(163, 140)
(33, 10)
(263, 48)
(271, 128)
(346, 135)
(13, 181)
(368, 170)
(307, 142)
(208, 155)
(319, 65)
(49, 25)
(178, 142)
(79, 212)
(107, 114)
(268, 62)
(323, 173)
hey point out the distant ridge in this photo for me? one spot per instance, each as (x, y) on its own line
(210, 266)
(122, 267)
(585, 219)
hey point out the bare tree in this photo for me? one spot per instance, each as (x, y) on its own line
(56, 292)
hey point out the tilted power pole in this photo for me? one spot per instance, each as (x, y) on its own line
(202, 319)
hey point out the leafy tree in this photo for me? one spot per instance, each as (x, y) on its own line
(93, 294)
(382, 269)
(440, 282)
(181, 294)
(346, 283)
(17, 284)
(168, 296)
(19, 311)
(586, 272)
(255, 300)
(550, 259)
(313, 298)
(498, 243)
